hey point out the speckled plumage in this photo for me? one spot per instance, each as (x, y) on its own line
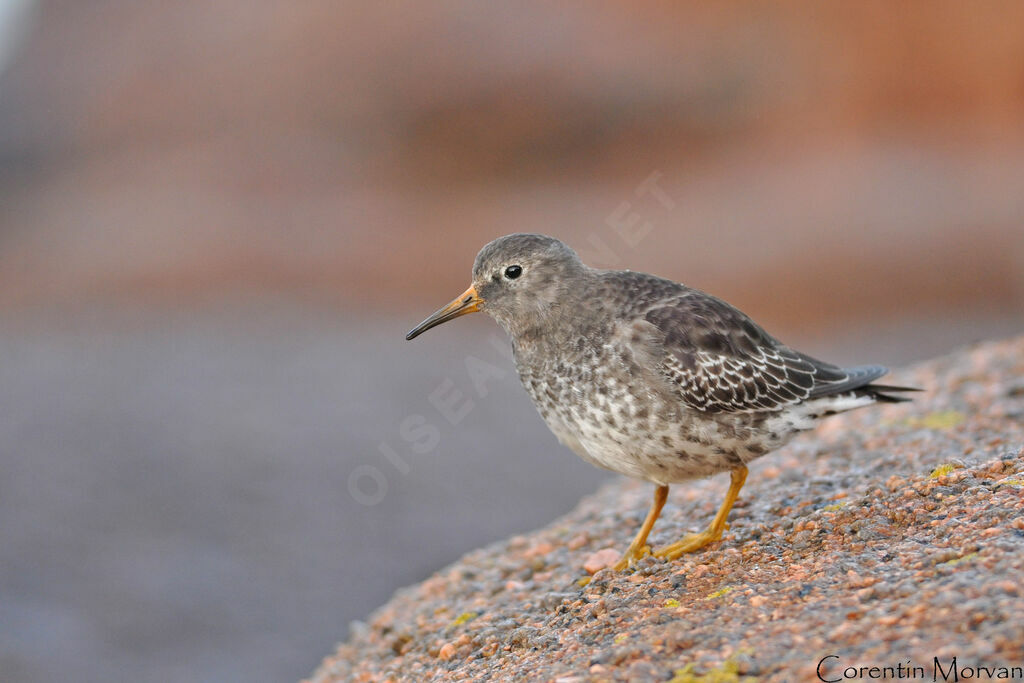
(648, 377)
(658, 381)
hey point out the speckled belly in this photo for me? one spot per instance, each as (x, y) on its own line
(654, 450)
(625, 429)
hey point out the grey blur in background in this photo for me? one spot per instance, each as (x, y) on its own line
(218, 220)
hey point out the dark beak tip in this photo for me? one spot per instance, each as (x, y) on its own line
(453, 310)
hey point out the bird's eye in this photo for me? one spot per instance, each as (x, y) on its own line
(512, 272)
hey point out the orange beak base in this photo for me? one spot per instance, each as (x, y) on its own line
(467, 302)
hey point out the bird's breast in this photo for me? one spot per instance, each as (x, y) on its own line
(618, 419)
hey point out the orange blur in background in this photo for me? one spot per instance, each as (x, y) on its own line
(859, 158)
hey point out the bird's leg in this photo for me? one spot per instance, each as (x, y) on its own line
(639, 548)
(692, 542)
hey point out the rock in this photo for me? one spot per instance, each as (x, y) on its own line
(898, 539)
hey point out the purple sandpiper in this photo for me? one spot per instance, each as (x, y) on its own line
(650, 378)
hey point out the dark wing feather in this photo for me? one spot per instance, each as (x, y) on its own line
(721, 361)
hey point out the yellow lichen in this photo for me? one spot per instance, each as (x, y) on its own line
(464, 617)
(728, 672)
(943, 419)
(835, 506)
(943, 470)
(957, 560)
(719, 593)
(619, 639)
(582, 581)
(671, 602)
(1010, 482)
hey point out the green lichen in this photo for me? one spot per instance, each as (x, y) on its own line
(464, 617)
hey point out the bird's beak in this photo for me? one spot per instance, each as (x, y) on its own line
(467, 302)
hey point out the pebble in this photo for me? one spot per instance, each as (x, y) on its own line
(578, 541)
(601, 559)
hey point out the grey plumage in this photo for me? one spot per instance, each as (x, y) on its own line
(645, 376)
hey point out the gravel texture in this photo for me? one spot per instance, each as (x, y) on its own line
(890, 536)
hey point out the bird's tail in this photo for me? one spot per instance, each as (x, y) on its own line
(883, 392)
(860, 380)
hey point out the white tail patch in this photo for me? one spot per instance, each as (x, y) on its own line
(806, 415)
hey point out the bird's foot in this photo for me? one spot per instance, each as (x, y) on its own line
(689, 543)
(631, 557)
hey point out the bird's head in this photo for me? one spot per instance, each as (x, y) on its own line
(519, 280)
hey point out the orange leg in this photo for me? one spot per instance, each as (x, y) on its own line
(639, 548)
(692, 542)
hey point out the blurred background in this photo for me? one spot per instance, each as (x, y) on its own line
(219, 218)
